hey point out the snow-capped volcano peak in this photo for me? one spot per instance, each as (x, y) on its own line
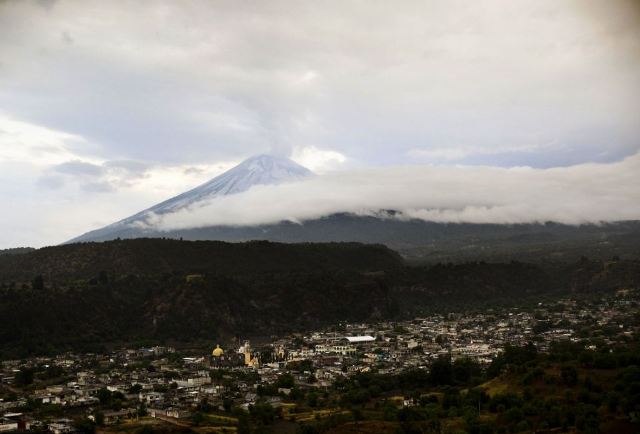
(257, 170)
(261, 170)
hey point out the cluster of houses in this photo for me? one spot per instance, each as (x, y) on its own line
(162, 383)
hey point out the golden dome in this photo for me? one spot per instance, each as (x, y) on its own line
(217, 352)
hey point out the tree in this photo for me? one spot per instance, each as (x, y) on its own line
(312, 399)
(24, 377)
(312, 379)
(38, 283)
(136, 388)
(142, 410)
(85, 426)
(104, 395)
(263, 412)
(286, 381)
(197, 418)
(465, 369)
(441, 371)
(244, 424)
(99, 418)
(227, 404)
(513, 355)
(569, 375)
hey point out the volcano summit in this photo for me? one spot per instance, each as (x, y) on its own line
(257, 170)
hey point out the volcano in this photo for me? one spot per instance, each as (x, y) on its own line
(257, 170)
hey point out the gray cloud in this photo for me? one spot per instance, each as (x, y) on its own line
(97, 187)
(79, 168)
(51, 181)
(197, 81)
(66, 38)
(193, 170)
(587, 193)
(126, 172)
(95, 178)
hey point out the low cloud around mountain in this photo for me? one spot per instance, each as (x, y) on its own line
(586, 193)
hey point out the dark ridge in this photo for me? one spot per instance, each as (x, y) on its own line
(16, 251)
(426, 241)
(153, 256)
(88, 296)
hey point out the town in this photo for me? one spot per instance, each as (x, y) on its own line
(292, 377)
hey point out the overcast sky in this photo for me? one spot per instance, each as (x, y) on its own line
(109, 107)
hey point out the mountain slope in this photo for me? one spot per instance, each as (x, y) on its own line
(413, 238)
(84, 296)
(258, 170)
(430, 241)
(157, 257)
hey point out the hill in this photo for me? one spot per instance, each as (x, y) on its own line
(415, 239)
(159, 256)
(91, 295)
(16, 251)
(422, 241)
(86, 295)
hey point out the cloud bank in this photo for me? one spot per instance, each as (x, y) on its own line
(587, 193)
(454, 81)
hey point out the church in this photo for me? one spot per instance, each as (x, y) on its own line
(242, 357)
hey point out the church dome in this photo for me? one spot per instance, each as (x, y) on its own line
(217, 352)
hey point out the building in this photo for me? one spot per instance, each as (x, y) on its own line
(249, 359)
(220, 359)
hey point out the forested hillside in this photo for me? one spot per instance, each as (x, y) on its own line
(431, 242)
(86, 296)
(153, 256)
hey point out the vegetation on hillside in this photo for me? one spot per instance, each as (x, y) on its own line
(86, 296)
